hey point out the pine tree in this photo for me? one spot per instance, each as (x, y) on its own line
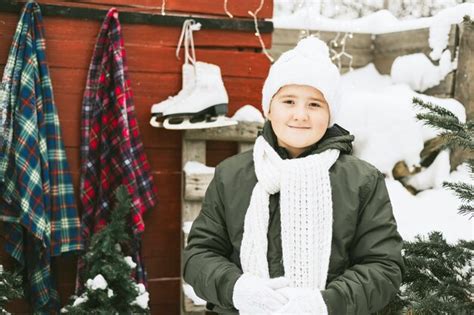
(110, 289)
(437, 278)
(455, 134)
(10, 288)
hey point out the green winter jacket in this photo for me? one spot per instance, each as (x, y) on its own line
(365, 268)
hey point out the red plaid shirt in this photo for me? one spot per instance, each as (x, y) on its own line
(112, 152)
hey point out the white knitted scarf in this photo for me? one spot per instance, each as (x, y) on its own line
(306, 215)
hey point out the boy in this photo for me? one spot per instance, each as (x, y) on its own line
(297, 225)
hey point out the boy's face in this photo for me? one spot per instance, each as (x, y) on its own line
(300, 116)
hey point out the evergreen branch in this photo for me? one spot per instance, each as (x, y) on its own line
(10, 287)
(462, 140)
(464, 191)
(467, 210)
(440, 122)
(433, 108)
(470, 164)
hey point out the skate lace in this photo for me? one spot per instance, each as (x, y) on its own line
(187, 35)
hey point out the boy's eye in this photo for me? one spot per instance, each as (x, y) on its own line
(314, 105)
(288, 102)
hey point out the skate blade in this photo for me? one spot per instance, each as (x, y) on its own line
(185, 124)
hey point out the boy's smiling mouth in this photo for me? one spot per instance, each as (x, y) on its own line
(299, 127)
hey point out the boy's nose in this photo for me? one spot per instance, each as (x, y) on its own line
(300, 113)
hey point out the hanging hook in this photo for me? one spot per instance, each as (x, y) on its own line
(226, 10)
(163, 4)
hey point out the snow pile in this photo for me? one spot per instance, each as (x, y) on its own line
(377, 112)
(383, 21)
(380, 22)
(375, 23)
(187, 227)
(441, 23)
(381, 116)
(130, 262)
(142, 298)
(426, 75)
(248, 113)
(98, 282)
(193, 167)
(430, 210)
(434, 175)
(81, 299)
(189, 292)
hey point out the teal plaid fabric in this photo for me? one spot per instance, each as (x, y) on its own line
(37, 200)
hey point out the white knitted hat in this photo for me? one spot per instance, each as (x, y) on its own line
(306, 64)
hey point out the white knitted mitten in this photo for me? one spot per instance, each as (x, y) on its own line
(302, 301)
(254, 295)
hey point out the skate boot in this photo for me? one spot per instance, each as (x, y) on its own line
(188, 77)
(205, 106)
(188, 82)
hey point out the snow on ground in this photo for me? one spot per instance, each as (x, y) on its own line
(430, 210)
(381, 116)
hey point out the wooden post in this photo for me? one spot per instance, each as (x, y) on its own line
(464, 86)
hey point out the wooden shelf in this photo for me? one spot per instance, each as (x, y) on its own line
(242, 132)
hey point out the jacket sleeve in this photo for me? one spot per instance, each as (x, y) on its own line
(375, 273)
(206, 266)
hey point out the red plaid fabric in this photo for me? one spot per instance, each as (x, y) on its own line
(112, 152)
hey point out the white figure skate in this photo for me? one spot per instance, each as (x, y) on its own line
(205, 106)
(188, 79)
(188, 82)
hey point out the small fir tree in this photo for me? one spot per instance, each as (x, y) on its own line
(110, 289)
(455, 134)
(437, 278)
(10, 288)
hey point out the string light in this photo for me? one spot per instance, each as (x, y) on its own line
(257, 31)
(343, 53)
(333, 43)
(226, 10)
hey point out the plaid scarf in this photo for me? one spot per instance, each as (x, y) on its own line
(37, 198)
(112, 153)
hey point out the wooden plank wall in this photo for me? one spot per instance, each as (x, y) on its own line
(155, 74)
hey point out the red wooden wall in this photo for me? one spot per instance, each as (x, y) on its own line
(155, 74)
